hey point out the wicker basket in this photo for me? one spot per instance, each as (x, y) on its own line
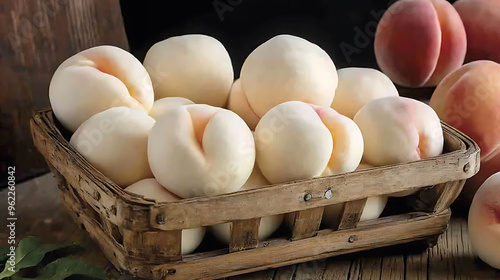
(144, 238)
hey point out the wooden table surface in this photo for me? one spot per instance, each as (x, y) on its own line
(40, 214)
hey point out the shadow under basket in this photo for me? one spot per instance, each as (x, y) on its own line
(144, 238)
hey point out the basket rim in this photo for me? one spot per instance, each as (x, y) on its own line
(467, 154)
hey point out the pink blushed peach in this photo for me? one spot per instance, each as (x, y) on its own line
(418, 42)
(484, 221)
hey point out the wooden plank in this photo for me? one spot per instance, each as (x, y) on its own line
(337, 269)
(112, 250)
(108, 227)
(244, 235)
(43, 215)
(111, 229)
(416, 266)
(61, 181)
(245, 205)
(263, 275)
(447, 193)
(37, 35)
(266, 201)
(366, 268)
(356, 271)
(306, 223)
(311, 270)
(290, 196)
(371, 268)
(393, 268)
(153, 246)
(285, 272)
(324, 245)
(436, 198)
(453, 257)
(98, 191)
(350, 214)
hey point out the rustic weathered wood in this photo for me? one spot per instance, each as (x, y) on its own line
(455, 258)
(306, 223)
(261, 275)
(113, 251)
(337, 270)
(98, 191)
(393, 268)
(40, 213)
(152, 232)
(373, 234)
(357, 270)
(153, 246)
(361, 185)
(111, 229)
(447, 193)
(283, 198)
(285, 272)
(416, 266)
(244, 235)
(310, 270)
(350, 214)
(436, 198)
(61, 181)
(37, 35)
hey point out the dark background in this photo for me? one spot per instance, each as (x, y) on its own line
(242, 25)
(343, 28)
(53, 30)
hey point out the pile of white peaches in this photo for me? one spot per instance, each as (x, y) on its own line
(179, 125)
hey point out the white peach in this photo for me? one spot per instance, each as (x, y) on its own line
(286, 68)
(166, 104)
(296, 140)
(151, 189)
(256, 179)
(399, 130)
(268, 225)
(200, 150)
(364, 166)
(194, 66)
(238, 103)
(484, 221)
(359, 86)
(373, 208)
(97, 79)
(115, 143)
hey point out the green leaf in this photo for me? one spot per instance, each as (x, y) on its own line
(65, 267)
(3, 254)
(29, 253)
(25, 247)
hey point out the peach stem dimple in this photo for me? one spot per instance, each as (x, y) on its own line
(200, 122)
(422, 141)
